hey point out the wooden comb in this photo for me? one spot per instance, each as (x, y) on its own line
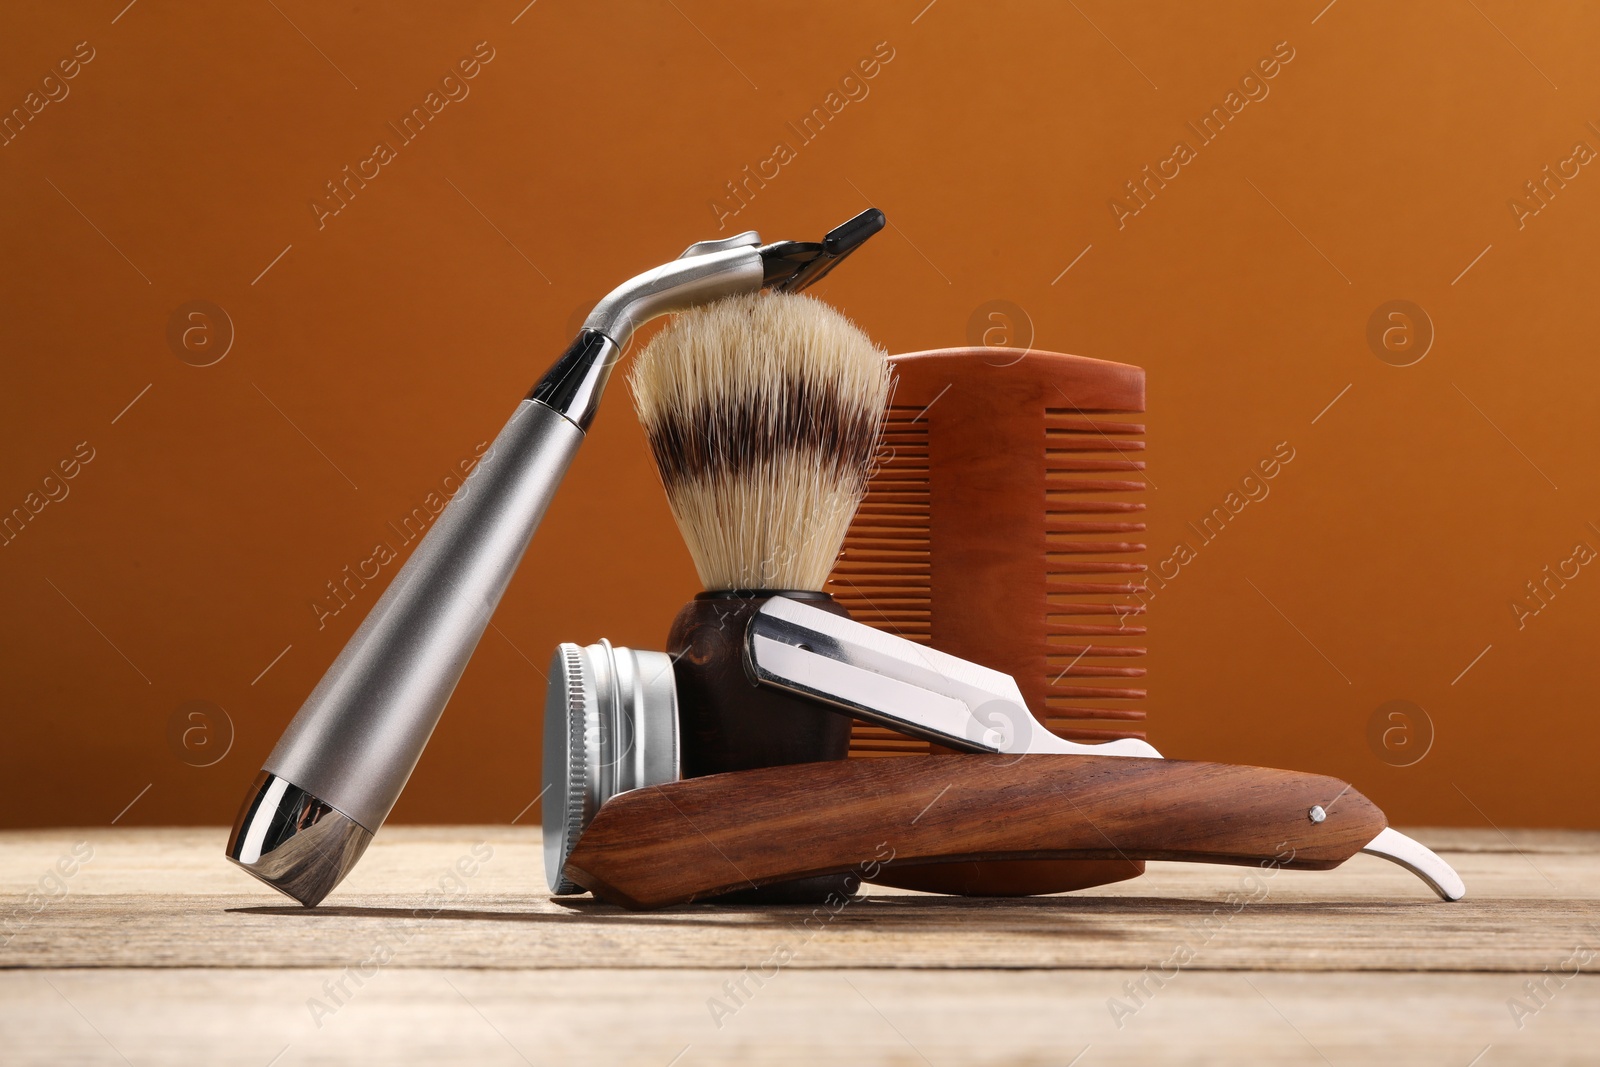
(1001, 525)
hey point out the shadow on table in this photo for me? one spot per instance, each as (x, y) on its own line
(1030, 915)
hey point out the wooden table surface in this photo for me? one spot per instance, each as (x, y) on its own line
(443, 947)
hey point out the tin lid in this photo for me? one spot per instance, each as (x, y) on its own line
(610, 725)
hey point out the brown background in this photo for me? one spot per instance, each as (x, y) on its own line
(378, 351)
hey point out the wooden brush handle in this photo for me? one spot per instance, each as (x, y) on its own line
(691, 839)
(728, 723)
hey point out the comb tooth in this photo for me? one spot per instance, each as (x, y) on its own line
(881, 566)
(868, 586)
(1086, 630)
(887, 547)
(1058, 651)
(888, 607)
(1064, 464)
(1055, 485)
(1095, 566)
(879, 614)
(1069, 506)
(900, 583)
(1099, 692)
(1070, 420)
(913, 542)
(912, 613)
(1068, 608)
(1086, 714)
(1087, 670)
(896, 496)
(870, 611)
(857, 552)
(1052, 526)
(879, 611)
(847, 596)
(871, 571)
(898, 547)
(1101, 588)
(1066, 445)
(902, 601)
(879, 525)
(1091, 736)
(1086, 548)
(872, 587)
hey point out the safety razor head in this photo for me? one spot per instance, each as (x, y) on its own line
(710, 270)
(790, 266)
(610, 725)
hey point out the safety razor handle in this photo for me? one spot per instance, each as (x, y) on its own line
(687, 840)
(359, 734)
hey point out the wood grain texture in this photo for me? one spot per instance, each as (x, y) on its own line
(1003, 525)
(1002, 521)
(691, 839)
(647, 1018)
(165, 898)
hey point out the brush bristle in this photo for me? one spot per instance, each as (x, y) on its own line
(762, 413)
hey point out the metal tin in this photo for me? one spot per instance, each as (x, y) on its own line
(610, 726)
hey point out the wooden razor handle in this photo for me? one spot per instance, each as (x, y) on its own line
(687, 840)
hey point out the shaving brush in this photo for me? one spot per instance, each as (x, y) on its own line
(763, 414)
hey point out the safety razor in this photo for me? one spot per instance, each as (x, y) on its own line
(342, 762)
